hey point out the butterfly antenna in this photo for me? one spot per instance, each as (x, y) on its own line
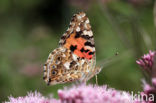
(104, 63)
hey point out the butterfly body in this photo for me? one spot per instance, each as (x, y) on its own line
(75, 58)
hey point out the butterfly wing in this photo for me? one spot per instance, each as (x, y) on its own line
(75, 57)
(79, 39)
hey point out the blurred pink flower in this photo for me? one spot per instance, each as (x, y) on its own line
(31, 69)
(150, 90)
(80, 94)
(94, 94)
(32, 98)
(146, 61)
(154, 82)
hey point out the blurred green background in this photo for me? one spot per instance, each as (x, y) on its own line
(31, 29)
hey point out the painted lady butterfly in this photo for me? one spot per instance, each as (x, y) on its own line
(75, 58)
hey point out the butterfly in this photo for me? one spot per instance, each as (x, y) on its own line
(75, 58)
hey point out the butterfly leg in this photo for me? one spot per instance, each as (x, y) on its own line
(96, 70)
(96, 79)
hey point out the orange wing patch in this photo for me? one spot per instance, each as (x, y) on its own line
(77, 45)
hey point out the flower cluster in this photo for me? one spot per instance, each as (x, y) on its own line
(147, 62)
(150, 91)
(32, 98)
(94, 94)
(80, 94)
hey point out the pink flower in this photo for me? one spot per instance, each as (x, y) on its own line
(154, 82)
(94, 94)
(32, 98)
(146, 61)
(149, 91)
(80, 94)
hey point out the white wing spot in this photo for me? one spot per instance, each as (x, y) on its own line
(63, 49)
(63, 55)
(87, 21)
(74, 57)
(85, 32)
(90, 33)
(90, 48)
(78, 17)
(82, 62)
(78, 29)
(66, 65)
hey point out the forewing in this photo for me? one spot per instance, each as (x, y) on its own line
(79, 37)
